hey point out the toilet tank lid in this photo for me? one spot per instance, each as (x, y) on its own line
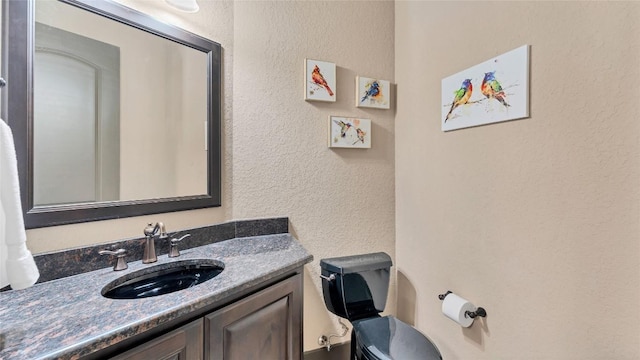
(356, 263)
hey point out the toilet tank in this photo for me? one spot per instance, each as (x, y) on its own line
(359, 289)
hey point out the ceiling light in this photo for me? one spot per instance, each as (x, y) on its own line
(190, 6)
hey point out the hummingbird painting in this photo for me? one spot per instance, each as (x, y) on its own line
(318, 79)
(491, 88)
(461, 97)
(344, 127)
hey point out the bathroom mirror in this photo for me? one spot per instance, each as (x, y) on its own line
(114, 114)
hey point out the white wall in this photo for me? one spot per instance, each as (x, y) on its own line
(536, 220)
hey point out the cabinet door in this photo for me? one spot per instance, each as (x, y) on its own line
(184, 343)
(265, 325)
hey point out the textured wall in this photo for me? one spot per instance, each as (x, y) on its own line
(535, 219)
(341, 201)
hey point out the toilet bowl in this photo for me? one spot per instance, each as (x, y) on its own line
(356, 288)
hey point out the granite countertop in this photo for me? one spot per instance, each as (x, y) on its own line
(69, 318)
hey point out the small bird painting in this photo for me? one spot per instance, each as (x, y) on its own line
(318, 79)
(372, 91)
(491, 88)
(461, 97)
(349, 132)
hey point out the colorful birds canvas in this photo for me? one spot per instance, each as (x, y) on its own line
(347, 132)
(320, 80)
(493, 91)
(372, 93)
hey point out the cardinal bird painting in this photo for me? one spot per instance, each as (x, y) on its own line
(372, 93)
(494, 91)
(346, 132)
(320, 80)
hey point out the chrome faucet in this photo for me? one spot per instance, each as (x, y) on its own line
(150, 232)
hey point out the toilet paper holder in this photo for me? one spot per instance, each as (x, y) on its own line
(472, 314)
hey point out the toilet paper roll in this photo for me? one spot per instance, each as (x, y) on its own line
(454, 307)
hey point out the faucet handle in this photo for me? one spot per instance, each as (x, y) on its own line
(173, 251)
(121, 263)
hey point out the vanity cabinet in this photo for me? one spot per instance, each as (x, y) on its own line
(184, 343)
(263, 325)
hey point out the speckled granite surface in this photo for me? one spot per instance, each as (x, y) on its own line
(68, 318)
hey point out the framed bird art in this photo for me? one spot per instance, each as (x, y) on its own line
(373, 93)
(319, 80)
(349, 132)
(493, 91)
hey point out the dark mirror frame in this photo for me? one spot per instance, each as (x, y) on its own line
(17, 110)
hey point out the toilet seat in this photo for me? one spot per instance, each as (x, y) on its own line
(387, 338)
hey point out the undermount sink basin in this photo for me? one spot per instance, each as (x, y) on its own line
(163, 279)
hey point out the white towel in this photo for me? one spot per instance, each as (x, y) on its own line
(17, 267)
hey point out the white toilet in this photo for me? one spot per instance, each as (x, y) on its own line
(355, 288)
